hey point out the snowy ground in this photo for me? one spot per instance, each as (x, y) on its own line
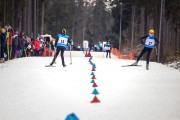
(30, 91)
(174, 65)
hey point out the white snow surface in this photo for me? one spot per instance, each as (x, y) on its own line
(31, 91)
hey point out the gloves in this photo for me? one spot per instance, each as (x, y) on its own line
(142, 42)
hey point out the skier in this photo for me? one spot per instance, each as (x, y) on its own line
(108, 49)
(61, 43)
(149, 42)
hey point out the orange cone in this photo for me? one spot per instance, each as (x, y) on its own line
(86, 54)
(131, 56)
(95, 100)
(89, 54)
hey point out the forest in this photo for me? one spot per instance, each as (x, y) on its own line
(121, 22)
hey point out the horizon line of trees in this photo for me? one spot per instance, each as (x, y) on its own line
(92, 21)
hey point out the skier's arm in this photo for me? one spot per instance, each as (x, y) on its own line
(56, 41)
(69, 40)
(142, 39)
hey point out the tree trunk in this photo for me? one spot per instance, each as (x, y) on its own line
(178, 39)
(34, 18)
(20, 15)
(42, 18)
(142, 21)
(24, 19)
(146, 20)
(4, 13)
(37, 16)
(132, 30)
(29, 18)
(12, 18)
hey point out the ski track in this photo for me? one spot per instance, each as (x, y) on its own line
(31, 91)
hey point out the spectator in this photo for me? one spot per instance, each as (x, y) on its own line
(20, 47)
(41, 46)
(14, 44)
(108, 48)
(2, 39)
(8, 49)
(36, 47)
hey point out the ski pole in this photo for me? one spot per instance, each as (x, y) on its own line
(70, 56)
(139, 45)
(156, 51)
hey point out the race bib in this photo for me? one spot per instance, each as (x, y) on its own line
(62, 40)
(150, 42)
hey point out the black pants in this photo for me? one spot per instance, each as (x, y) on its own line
(2, 52)
(36, 52)
(148, 54)
(108, 52)
(59, 49)
(14, 48)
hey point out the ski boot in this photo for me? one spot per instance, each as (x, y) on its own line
(52, 63)
(2, 60)
(147, 66)
(63, 64)
(135, 63)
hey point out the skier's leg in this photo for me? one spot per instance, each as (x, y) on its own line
(106, 53)
(62, 57)
(148, 56)
(57, 53)
(109, 53)
(142, 53)
(139, 57)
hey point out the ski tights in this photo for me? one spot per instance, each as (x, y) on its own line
(142, 53)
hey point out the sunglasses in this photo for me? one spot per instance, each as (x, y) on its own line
(151, 33)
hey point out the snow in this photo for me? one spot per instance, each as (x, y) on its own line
(31, 91)
(175, 65)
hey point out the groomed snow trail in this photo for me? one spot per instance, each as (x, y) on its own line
(31, 91)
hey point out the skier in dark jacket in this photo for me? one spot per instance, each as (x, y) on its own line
(108, 48)
(2, 40)
(21, 44)
(149, 42)
(61, 43)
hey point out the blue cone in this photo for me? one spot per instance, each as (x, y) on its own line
(95, 92)
(71, 116)
(90, 58)
(92, 81)
(92, 73)
(94, 65)
(90, 63)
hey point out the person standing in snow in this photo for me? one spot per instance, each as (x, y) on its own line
(60, 44)
(149, 42)
(36, 47)
(108, 49)
(14, 44)
(2, 40)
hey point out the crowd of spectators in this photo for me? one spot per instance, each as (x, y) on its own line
(15, 44)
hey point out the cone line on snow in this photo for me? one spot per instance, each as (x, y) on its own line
(95, 91)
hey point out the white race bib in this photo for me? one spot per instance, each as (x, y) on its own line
(62, 40)
(150, 42)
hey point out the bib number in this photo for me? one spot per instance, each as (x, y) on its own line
(150, 42)
(62, 40)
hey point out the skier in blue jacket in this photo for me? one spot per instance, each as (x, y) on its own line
(61, 43)
(149, 42)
